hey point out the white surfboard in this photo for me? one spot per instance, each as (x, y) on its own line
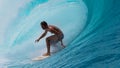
(40, 58)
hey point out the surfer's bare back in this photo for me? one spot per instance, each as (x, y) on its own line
(58, 36)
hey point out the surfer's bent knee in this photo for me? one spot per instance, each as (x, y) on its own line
(60, 37)
(47, 39)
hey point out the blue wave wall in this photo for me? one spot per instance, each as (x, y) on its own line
(96, 44)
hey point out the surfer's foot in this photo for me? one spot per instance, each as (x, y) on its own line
(46, 54)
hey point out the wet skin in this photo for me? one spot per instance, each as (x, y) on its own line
(58, 36)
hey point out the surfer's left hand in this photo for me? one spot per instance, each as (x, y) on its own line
(37, 40)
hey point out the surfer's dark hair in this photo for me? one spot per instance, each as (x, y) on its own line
(44, 23)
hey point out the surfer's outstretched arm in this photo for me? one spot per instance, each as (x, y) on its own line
(41, 36)
(62, 43)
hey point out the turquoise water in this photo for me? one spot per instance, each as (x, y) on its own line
(91, 28)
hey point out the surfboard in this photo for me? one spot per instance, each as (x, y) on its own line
(40, 58)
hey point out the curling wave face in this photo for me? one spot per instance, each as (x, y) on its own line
(91, 29)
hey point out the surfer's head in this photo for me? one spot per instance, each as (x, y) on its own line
(44, 25)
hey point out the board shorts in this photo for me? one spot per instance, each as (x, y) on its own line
(56, 38)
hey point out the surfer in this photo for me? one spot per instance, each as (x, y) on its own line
(55, 38)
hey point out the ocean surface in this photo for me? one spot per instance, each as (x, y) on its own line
(91, 29)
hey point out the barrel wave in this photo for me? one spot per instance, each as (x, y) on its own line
(91, 29)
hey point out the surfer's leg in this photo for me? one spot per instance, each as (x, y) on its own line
(62, 43)
(48, 47)
(61, 36)
(49, 40)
